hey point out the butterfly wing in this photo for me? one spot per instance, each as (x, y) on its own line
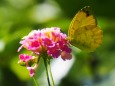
(84, 32)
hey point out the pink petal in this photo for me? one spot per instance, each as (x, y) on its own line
(25, 57)
(19, 48)
(54, 52)
(32, 71)
(66, 56)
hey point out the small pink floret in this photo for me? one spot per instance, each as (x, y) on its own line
(31, 70)
(66, 56)
(25, 57)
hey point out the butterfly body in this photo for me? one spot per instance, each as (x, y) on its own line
(84, 32)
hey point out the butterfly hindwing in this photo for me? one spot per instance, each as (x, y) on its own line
(84, 32)
(89, 40)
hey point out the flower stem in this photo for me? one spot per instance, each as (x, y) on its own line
(35, 81)
(46, 66)
(49, 68)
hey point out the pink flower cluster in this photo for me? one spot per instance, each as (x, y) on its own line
(49, 40)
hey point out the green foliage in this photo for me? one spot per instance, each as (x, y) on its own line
(19, 17)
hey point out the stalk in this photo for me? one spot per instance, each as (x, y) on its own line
(35, 81)
(49, 68)
(46, 66)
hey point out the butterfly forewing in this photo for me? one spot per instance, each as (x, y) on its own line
(81, 19)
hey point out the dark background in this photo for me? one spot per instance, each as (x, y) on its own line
(19, 17)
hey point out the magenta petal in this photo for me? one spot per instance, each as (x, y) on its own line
(54, 52)
(47, 42)
(25, 57)
(21, 56)
(34, 46)
(66, 48)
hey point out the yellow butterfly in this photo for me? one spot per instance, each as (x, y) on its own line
(84, 32)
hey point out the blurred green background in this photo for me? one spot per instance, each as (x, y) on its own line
(19, 17)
